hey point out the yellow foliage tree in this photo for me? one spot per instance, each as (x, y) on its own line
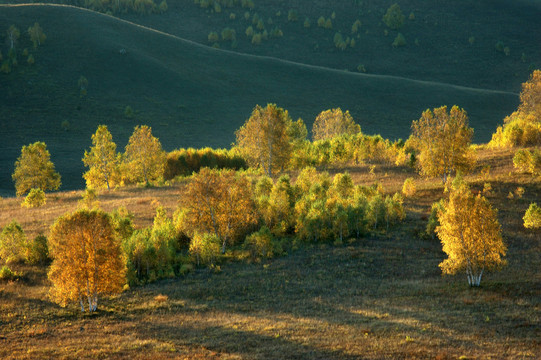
(331, 123)
(102, 160)
(34, 170)
(264, 140)
(218, 202)
(470, 235)
(144, 156)
(443, 141)
(87, 258)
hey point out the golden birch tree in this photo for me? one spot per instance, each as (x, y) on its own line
(332, 123)
(442, 140)
(102, 160)
(263, 139)
(470, 235)
(34, 170)
(87, 259)
(218, 202)
(144, 156)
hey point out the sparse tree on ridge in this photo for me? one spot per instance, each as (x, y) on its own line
(36, 35)
(102, 160)
(331, 123)
(13, 35)
(263, 139)
(443, 141)
(34, 170)
(144, 156)
(87, 259)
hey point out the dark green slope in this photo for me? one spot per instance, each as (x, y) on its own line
(191, 95)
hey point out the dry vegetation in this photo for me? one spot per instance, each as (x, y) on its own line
(377, 297)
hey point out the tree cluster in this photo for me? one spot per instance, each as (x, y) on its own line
(523, 127)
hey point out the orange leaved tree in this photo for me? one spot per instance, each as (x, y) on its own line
(87, 258)
(218, 202)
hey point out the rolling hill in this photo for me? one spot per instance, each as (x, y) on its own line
(191, 95)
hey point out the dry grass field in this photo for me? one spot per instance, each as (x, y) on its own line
(378, 297)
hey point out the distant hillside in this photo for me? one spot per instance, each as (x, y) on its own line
(191, 95)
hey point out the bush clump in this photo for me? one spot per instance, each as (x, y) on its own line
(35, 198)
(394, 18)
(532, 217)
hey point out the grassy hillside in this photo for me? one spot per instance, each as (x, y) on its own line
(191, 95)
(377, 297)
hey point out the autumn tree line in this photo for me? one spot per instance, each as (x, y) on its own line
(245, 198)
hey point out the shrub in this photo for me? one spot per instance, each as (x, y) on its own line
(7, 274)
(277, 32)
(205, 248)
(306, 23)
(217, 7)
(229, 34)
(394, 18)
(328, 24)
(38, 251)
(13, 243)
(260, 25)
(355, 27)
(256, 39)
(30, 60)
(292, 15)
(532, 217)
(128, 112)
(408, 189)
(232, 16)
(321, 21)
(163, 6)
(499, 46)
(35, 198)
(249, 31)
(433, 221)
(260, 244)
(400, 40)
(213, 37)
(527, 161)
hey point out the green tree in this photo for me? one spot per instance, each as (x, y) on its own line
(532, 217)
(13, 243)
(263, 139)
(470, 235)
(102, 160)
(36, 34)
(13, 34)
(144, 157)
(34, 170)
(394, 18)
(443, 141)
(87, 258)
(332, 123)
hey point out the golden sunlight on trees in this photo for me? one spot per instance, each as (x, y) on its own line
(470, 234)
(532, 217)
(263, 138)
(218, 202)
(442, 141)
(523, 127)
(331, 123)
(102, 160)
(36, 35)
(87, 259)
(144, 157)
(34, 170)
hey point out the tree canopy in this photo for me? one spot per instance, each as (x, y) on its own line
(87, 258)
(263, 139)
(470, 234)
(331, 123)
(102, 160)
(34, 170)
(144, 156)
(442, 141)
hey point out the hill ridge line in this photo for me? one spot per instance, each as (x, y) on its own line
(263, 57)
